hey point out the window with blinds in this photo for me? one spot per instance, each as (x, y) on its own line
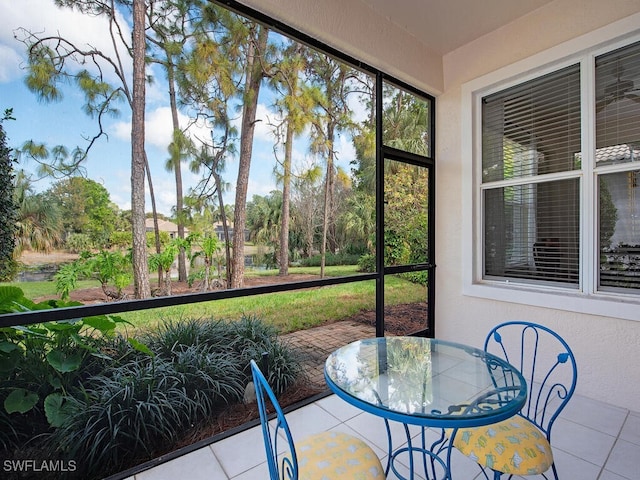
(617, 162)
(531, 179)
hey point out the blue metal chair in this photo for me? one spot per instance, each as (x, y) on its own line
(324, 455)
(521, 445)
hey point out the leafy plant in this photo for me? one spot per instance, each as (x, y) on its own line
(207, 247)
(421, 278)
(66, 278)
(163, 261)
(41, 363)
(76, 390)
(129, 412)
(245, 339)
(112, 270)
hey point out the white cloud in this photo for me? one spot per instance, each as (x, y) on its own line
(45, 18)
(260, 186)
(159, 128)
(263, 126)
(9, 64)
(265, 118)
(345, 151)
(119, 186)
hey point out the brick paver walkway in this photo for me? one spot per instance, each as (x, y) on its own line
(315, 344)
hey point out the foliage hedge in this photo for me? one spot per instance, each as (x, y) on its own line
(331, 259)
(8, 208)
(77, 391)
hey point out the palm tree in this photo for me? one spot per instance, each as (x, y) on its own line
(264, 219)
(163, 261)
(406, 122)
(359, 220)
(39, 223)
(207, 246)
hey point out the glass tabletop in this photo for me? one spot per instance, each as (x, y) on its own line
(426, 381)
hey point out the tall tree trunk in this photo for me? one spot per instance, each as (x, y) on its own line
(140, 264)
(177, 169)
(154, 212)
(225, 228)
(286, 202)
(254, 75)
(328, 200)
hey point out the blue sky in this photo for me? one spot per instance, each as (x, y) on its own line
(109, 161)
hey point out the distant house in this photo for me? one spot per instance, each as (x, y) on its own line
(219, 231)
(164, 226)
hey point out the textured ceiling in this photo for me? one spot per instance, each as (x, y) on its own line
(444, 25)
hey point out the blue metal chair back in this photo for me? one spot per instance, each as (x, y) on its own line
(545, 361)
(285, 466)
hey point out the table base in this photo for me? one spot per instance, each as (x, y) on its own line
(427, 460)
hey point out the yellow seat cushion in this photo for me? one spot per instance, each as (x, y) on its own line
(514, 446)
(334, 455)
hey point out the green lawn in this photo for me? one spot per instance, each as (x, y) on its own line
(288, 311)
(47, 288)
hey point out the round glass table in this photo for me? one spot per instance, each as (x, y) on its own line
(425, 382)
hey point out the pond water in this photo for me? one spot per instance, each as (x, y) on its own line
(39, 273)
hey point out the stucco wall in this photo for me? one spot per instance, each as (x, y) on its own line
(607, 348)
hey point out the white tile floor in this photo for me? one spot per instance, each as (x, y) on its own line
(591, 441)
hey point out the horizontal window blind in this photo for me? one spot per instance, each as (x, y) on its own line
(532, 231)
(532, 227)
(618, 106)
(618, 142)
(541, 116)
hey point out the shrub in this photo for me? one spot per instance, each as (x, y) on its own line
(121, 239)
(331, 259)
(136, 410)
(254, 338)
(247, 338)
(9, 270)
(421, 278)
(169, 334)
(367, 263)
(139, 409)
(78, 242)
(40, 363)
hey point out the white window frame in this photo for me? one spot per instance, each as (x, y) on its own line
(586, 298)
